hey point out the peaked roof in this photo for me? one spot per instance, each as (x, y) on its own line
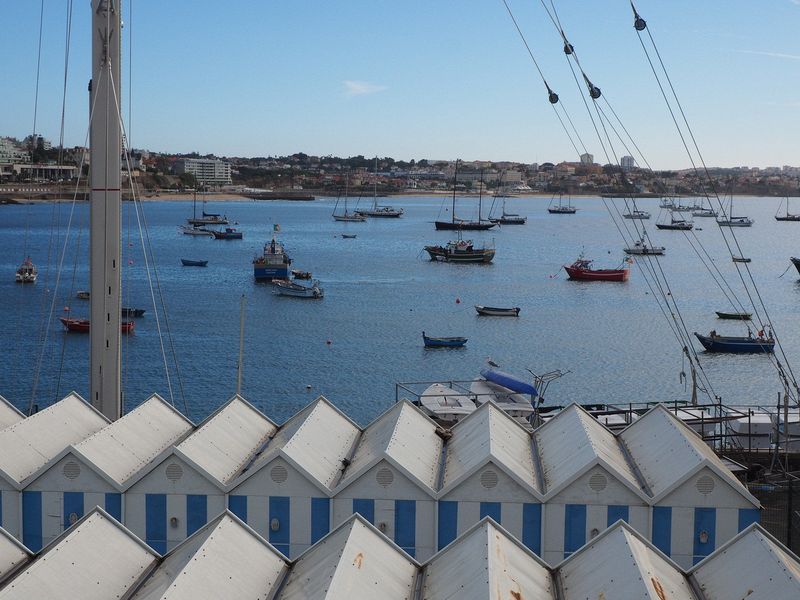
(489, 434)
(404, 436)
(29, 444)
(97, 558)
(572, 442)
(772, 570)
(12, 555)
(226, 442)
(224, 559)
(486, 563)
(315, 441)
(123, 448)
(667, 451)
(353, 561)
(620, 563)
(8, 413)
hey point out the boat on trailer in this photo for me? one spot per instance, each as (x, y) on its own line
(496, 311)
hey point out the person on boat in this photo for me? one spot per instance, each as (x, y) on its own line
(713, 333)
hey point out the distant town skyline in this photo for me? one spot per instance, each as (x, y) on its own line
(343, 79)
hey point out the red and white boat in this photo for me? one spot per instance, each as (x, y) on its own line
(582, 270)
(82, 325)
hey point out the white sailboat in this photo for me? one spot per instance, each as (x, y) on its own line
(377, 210)
(731, 221)
(347, 216)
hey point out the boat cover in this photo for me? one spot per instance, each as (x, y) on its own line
(509, 381)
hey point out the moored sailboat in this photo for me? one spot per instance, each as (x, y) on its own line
(457, 224)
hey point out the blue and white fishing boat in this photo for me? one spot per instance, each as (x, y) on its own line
(273, 262)
(443, 342)
(737, 344)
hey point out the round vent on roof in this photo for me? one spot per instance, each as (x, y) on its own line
(598, 482)
(384, 477)
(71, 470)
(488, 479)
(174, 471)
(279, 474)
(704, 485)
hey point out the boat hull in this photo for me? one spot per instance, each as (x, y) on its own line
(463, 225)
(675, 226)
(796, 263)
(82, 325)
(734, 316)
(263, 272)
(597, 274)
(442, 254)
(788, 218)
(295, 290)
(736, 345)
(494, 311)
(193, 263)
(443, 342)
(228, 234)
(562, 211)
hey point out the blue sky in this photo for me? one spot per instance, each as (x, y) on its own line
(419, 79)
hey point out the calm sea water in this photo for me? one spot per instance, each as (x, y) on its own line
(381, 292)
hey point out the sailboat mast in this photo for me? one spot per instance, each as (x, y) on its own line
(375, 186)
(455, 180)
(480, 197)
(104, 179)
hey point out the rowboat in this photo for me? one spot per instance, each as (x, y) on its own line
(741, 259)
(82, 325)
(289, 288)
(193, 263)
(735, 316)
(301, 274)
(581, 270)
(494, 311)
(443, 342)
(736, 345)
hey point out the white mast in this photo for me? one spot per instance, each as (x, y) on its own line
(104, 179)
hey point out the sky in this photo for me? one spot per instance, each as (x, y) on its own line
(435, 79)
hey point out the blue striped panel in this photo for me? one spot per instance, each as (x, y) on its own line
(705, 520)
(491, 509)
(448, 523)
(238, 506)
(73, 504)
(574, 527)
(155, 522)
(114, 505)
(532, 527)
(405, 525)
(279, 509)
(615, 513)
(748, 516)
(320, 518)
(366, 508)
(32, 520)
(196, 512)
(662, 528)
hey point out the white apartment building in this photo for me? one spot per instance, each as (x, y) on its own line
(205, 170)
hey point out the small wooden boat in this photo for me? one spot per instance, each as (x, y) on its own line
(637, 214)
(443, 342)
(741, 259)
(82, 325)
(83, 295)
(641, 248)
(349, 236)
(301, 274)
(186, 262)
(229, 233)
(288, 288)
(26, 273)
(494, 311)
(195, 230)
(581, 270)
(127, 311)
(735, 344)
(735, 316)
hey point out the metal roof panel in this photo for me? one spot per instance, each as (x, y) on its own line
(8, 413)
(12, 555)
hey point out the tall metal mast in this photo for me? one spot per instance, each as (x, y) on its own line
(104, 179)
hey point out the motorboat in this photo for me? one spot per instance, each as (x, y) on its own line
(581, 270)
(26, 273)
(734, 316)
(443, 342)
(186, 262)
(461, 251)
(82, 325)
(229, 233)
(289, 288)
(736, 344)
(495, 311)
(641, 248)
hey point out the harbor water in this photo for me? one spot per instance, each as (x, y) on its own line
(381, 292)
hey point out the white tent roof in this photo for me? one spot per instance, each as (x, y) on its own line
(127, 445)
(753, 565)
(12, 555)
(224, 559)
(666, 451)
(573, 441)
(8, 413)
(30, 444)
(619, 563)
(404, 436)
(486, 563)
(96, 559)
(352, 562)
(315, 440)
(226, 442)
(489, 434)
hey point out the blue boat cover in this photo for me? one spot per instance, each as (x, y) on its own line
(509, 381)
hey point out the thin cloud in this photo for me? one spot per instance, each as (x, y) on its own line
(771, 54)
(361, 88)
